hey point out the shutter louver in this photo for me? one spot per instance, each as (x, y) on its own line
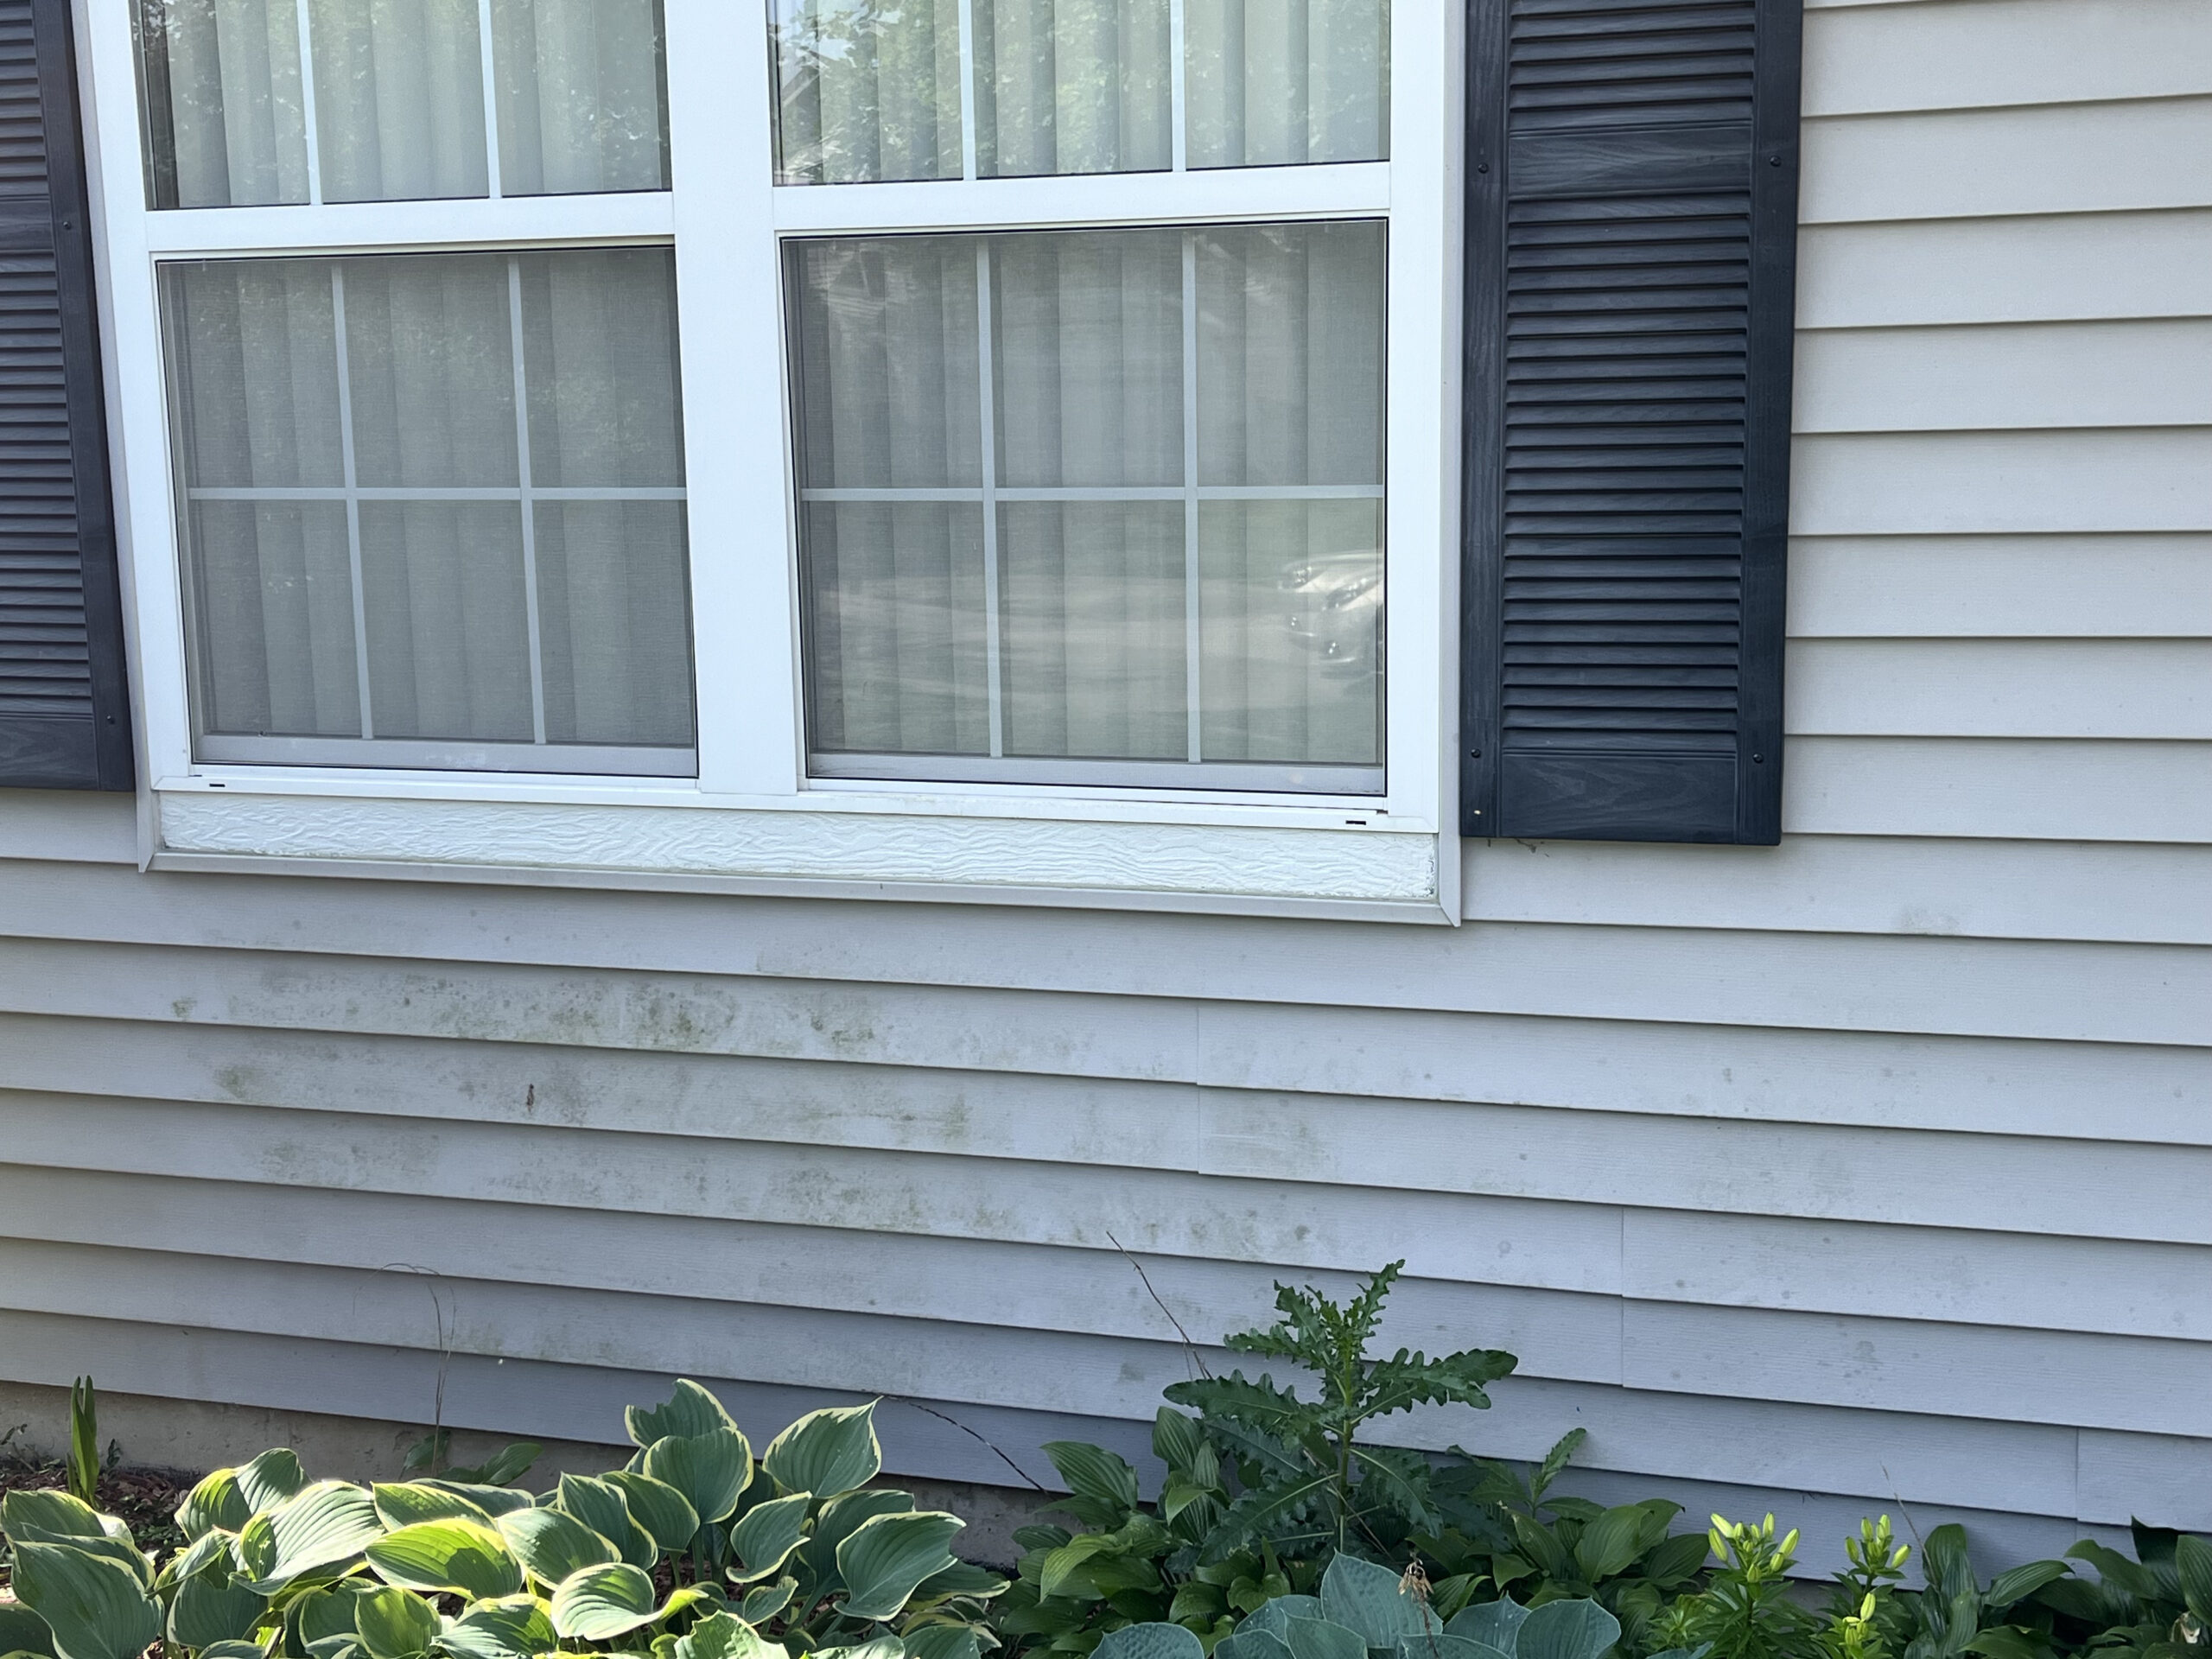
(63, 702)
(1632, 176)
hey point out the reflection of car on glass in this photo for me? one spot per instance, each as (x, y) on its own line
(1340, 613)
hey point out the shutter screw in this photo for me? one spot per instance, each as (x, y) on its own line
(1474, 754)
(1482, 167)
(1774, 161)
(1759, 760)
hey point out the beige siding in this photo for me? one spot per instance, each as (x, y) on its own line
(1866, 1169)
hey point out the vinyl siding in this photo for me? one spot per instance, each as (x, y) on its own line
(1866, 1169)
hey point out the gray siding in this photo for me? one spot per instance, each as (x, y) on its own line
(1870, 1169)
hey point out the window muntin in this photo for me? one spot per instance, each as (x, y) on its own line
(433, 510)
(253, 103)
(949, 89)
(1095, 505)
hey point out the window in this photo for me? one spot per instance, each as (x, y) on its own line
(1000, 443)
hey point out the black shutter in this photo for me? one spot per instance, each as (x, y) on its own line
(64, 702)
(1631, 263)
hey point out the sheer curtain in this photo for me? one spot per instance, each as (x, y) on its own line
(1032, 596)
(398, 97)
(869, 89)
(396, 601)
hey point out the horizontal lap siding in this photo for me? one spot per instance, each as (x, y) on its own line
(1770, 1163)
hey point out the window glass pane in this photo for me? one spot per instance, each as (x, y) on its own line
(1108, 526)
(398, 99)
(867, 91)
(1272, 83)
(398, 534)
(581, 99)
(224, 109)
(1071, 86)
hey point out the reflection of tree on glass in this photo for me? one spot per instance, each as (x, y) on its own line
(867, 89)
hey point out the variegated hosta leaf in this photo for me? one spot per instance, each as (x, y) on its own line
(461, 1558)
(198, 1556)
(1150, 1642)
(720, 1636)
(55, 1515)
(271, 1479)
(405, 1504)
(216, 1503)
(960, 1579)
(213, 1607)
(711, 1470)
(664, 1513)
(945, 1642)
(826, 1451)
(764, 1603)
(95, 1609)
(23, 1630)
(513, 1627)
(1446, 1647)
(321, 1525)
(253, 1547)
(553, 1546)
(493, 1500)
(601, 1603)
(690, 1410)
(882, 1646)
(765, 1536)
(601, 1505)
(394, 1624)
(121, 1552)
(887, 1556)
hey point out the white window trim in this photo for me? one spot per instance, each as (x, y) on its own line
(752, 821)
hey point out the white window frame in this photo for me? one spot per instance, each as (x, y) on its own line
(751, 820)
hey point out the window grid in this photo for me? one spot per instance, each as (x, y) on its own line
(526, 493)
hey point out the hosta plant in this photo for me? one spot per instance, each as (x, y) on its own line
(695, 1550)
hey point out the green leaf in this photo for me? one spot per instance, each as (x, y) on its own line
(1150, 1642)
(399, 1505)
(882, 1646)
(318, 1526)
(887, 1556)
(554, 1546)
(721, 1635)
(512, 1627)
(1324, 1638)
(2009, 1587)
(321, 1621)
(601, 1603)
(95, 1609)
(212, 1607)
(493, 1500)
(1566, 1630)
(271, 1478)
(394, 1625)
(1274, 1616)
(2004, 1642)
(1248, 1643)
(710, 1470)
(690, 1410)
(827, 1452)
(54, 1513)
(767, 1534)
(1094, 1472)
(242, 1650)
(461, 1558)
(2192, 1561)
(215, 1503)
(1492, 1623)
(840, 1518)
(601, 1506)
(1261, 1510)
(1373, 1601)
(764, 1603)
(23, 1630)
(1611, 1542)
(961, 1578)
(664, 1513)
(1176, 1438)
(1398, 1478)
(1446, 1647)
(945, 1642)
(506, 1465)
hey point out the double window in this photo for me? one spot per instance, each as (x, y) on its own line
(1067, 504)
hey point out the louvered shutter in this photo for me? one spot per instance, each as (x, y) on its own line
(1632, 204)
(64, 707)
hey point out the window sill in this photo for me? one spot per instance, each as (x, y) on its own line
(1282, 861)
